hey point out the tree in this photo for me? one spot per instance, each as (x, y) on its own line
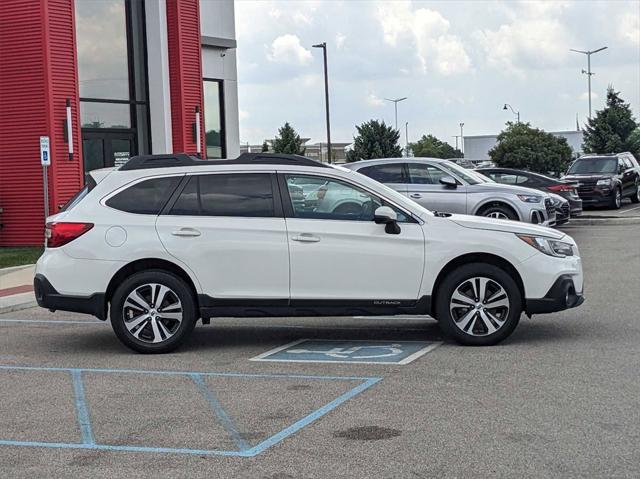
(288, 141)
(522, 147)
(374, 140)
(612, 129)
(430, 146)
(265, 147)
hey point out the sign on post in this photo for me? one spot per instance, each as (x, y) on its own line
(45, 151)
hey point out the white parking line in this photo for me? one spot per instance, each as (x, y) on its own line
(48, 321)
(630, 209)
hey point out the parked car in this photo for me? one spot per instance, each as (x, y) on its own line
(537, 181)
(605, 180)
(441, 185)
(165, 240)
(563, 210)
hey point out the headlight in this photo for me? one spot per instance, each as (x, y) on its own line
(530, 198)
(548, 246)
(604, 182)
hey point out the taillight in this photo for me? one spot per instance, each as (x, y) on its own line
(561, 188)
(59, 234)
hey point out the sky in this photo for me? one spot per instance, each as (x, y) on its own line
(456, 61)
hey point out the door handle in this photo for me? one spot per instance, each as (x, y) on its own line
(415, 195)
(186, 232)
(306, 238)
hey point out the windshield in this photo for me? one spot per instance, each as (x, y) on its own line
(467, 175)
(594, 165)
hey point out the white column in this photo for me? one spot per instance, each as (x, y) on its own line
(158, 75)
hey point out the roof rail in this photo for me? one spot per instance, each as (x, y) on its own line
(143, 162)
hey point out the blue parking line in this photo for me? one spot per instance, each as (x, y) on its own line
(81, 408)
(180, 373)
(220, 412)
(245, 450)
(305, 421)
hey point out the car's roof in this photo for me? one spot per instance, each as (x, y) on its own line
(356, 165)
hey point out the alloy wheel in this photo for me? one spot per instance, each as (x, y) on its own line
(479, 306)
(152, 313)
(618, 198)
(498, 215)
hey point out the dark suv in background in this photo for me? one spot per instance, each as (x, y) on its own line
(605, 180)
(537, 181)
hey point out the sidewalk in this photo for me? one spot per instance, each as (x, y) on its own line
(16, 288)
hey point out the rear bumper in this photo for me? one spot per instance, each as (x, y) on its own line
(562, 295)
(48, 297)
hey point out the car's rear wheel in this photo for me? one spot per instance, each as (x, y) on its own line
(500, 212)
(478, 304)
(635, 198)
(153, 312)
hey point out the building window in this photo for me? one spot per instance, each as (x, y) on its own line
(214, 118)
(111, 49)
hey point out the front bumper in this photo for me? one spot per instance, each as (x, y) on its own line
(562, 295)
(596, 196)
(48, 297)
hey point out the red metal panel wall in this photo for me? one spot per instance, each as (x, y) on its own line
(67, 176)
(23, 119)
(37, 74)
(185, 71)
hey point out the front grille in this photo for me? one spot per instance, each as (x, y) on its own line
(566, 210)
(548, 205)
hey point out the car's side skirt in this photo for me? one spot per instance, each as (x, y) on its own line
(215, 307)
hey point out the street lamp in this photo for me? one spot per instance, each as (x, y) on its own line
(517, 113)
(462, 139)
(323, 45)
(395, 104)
(588, 71)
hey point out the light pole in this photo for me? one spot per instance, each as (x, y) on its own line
(517, 113)
(588, 71)
(406, 138)
(456, 137)
(462, 139)
(395, 104)
(323, 45)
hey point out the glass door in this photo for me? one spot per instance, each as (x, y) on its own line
(104, 149)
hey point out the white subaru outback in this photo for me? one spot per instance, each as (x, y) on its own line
(168, 239)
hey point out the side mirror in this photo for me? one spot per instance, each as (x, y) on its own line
(449, 182)
(386, 216)
(621, 169)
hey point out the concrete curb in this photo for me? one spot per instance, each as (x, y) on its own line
(17, 302)
(605, 220)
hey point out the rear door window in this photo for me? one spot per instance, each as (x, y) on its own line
(389, 173)
(242, 195)
(421, 174)
(147, 197)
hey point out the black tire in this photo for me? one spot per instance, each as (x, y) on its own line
(498, 210)
(459, 277)
(615, 203)
(635, 198)
(178, 289)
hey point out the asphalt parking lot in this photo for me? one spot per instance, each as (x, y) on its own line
(559, 398)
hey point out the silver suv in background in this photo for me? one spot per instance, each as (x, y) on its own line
(441, 185)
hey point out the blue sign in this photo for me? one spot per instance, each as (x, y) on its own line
(340, 351)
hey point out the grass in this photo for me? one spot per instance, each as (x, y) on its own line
(19, 256)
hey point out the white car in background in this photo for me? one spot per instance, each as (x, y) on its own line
(166, 240)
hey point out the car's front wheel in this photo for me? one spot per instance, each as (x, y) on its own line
(616, 199)
(635, 198)
(153, 312)
(478, 304)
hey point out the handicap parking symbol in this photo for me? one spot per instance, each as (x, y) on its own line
(341, 351)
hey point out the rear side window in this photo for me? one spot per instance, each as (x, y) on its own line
(243, 195)
(90, 183)
(145, 198)
(384, 173)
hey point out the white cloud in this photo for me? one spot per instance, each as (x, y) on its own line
(536, 37)
(630, 27)
(374, 100)
(340, 39)
(585, 96)
(288, 49)
(428, 32)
